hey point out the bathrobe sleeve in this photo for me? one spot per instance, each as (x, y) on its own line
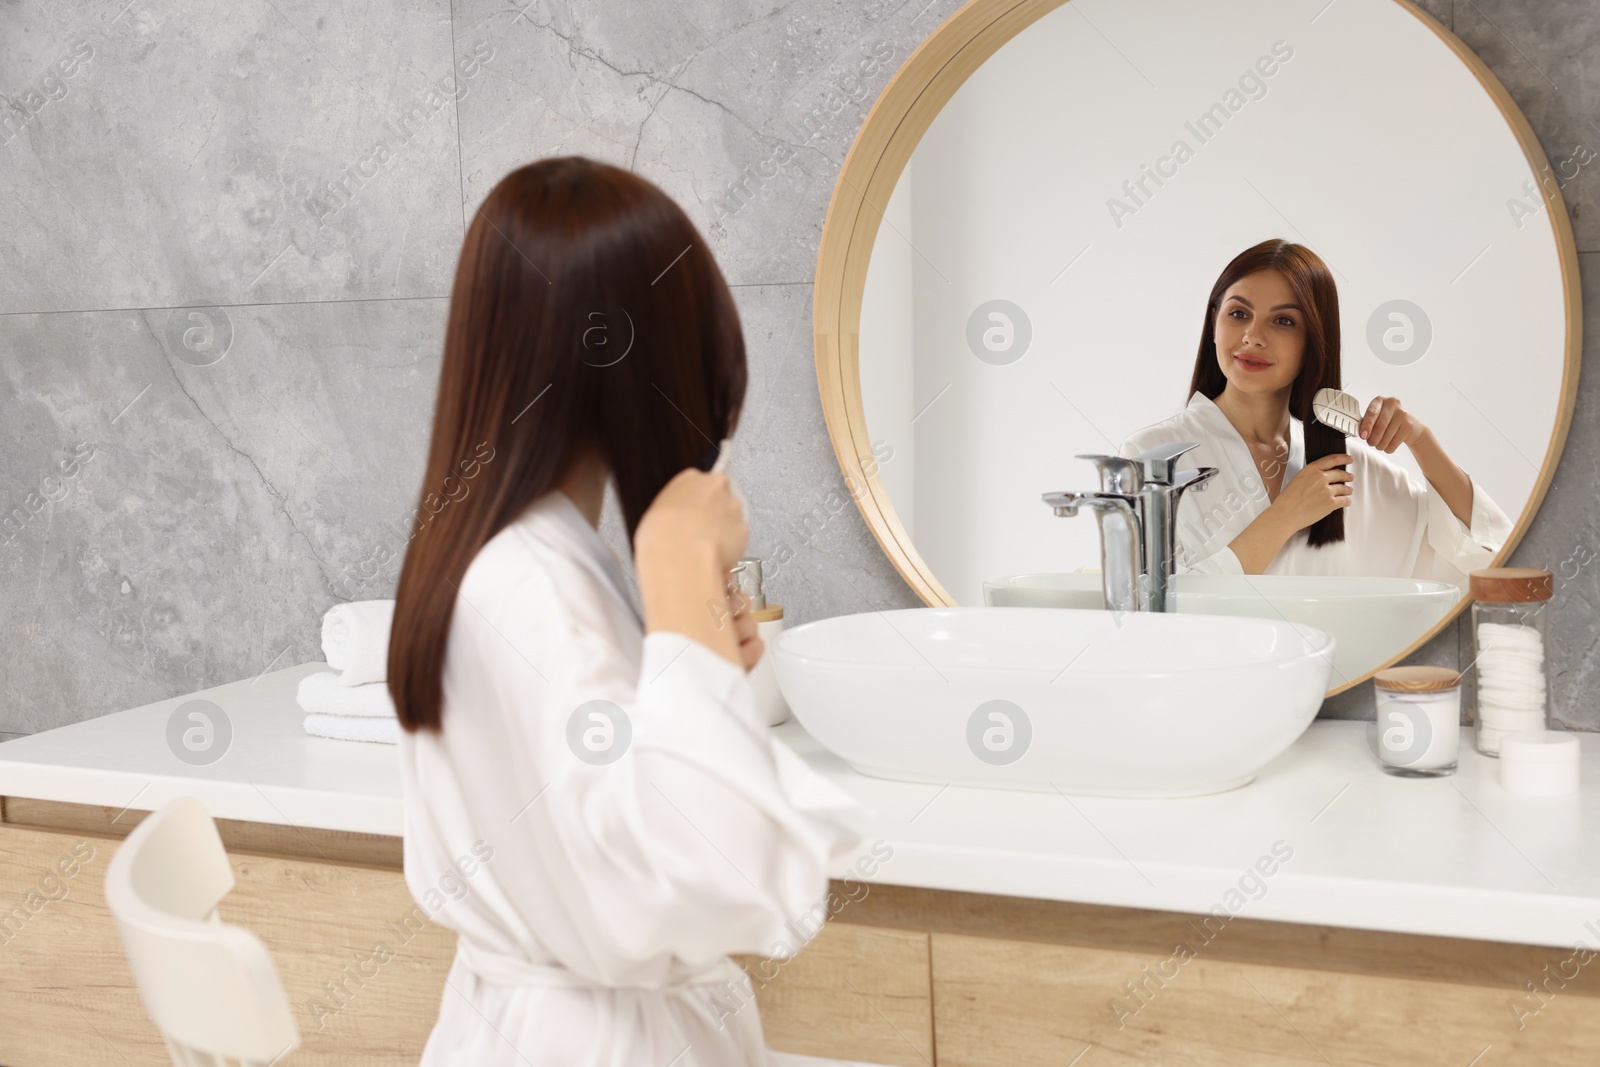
(1450, 549)
(1222, 561)
(707, 836)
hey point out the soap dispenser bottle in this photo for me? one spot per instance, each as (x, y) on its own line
(747, 579)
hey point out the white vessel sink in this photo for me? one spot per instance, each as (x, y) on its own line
(1371, 619)
(1143, 705)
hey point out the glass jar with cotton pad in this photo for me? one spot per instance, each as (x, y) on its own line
(1419, 720)
(1511, 643)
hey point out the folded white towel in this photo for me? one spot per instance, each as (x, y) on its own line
(354, 728)
(355, 640)
(321, 693)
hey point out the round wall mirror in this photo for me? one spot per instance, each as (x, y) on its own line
(1017, 260)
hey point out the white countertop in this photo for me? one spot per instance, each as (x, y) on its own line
(1453, 856)
(271, 771)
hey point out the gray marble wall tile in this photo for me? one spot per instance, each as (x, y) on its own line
(248, 153)
(1544, 54)
(804, 523)
(1441, 10)
(741, 112)
(172, 525)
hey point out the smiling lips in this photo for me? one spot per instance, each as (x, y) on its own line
(1251, 363)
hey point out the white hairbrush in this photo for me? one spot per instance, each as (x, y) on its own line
(1339, 410)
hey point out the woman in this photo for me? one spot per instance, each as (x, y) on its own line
(1292, 496)
(592, 799)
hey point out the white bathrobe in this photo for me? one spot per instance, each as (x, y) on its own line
(588, 896)
(1394, 528)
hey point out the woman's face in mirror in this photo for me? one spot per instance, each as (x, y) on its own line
(1260, 333)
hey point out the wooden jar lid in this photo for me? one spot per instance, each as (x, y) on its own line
(768, 613)
(1417, 679)
(1511, 585)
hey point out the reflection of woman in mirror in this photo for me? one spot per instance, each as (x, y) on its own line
(1292, 496)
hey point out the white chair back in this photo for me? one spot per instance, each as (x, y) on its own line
(210, 988)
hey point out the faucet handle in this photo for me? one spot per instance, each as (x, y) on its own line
(1159, 464)
(1117, 474)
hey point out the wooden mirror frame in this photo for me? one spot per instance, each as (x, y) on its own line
(891, 132)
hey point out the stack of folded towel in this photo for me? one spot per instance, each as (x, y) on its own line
(351, 702)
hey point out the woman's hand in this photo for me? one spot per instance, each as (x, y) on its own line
(1317, 490)
(694, 518)
(1387, 425)
(687, 539)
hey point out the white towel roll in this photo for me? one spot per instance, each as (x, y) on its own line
(355, 640)
(354, 728)
(321, 693)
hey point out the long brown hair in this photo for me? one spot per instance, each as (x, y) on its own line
(587, 316)
(1312, 284)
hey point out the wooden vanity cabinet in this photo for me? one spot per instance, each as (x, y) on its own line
(900, 976)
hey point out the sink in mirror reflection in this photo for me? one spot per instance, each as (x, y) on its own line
(1139, 704)
(1370, 619)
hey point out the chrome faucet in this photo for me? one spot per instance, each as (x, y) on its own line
(1136, 508)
